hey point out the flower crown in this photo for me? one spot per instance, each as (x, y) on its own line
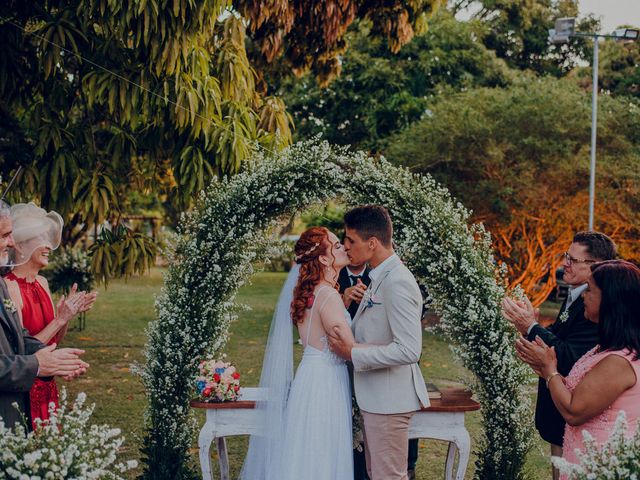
(299, 257)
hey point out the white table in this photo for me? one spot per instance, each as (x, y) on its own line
(440, 421)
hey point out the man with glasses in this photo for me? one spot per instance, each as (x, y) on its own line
(572, 335)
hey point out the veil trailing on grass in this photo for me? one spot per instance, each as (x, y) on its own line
(265, 449)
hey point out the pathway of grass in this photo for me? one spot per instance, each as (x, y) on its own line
(114, 338)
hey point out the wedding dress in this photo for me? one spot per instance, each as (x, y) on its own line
(307, 419)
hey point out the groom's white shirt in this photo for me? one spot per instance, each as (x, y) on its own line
(387, 378)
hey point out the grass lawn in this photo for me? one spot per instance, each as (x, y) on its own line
(115, 337)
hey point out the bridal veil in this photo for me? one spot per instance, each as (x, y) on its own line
(265, 450)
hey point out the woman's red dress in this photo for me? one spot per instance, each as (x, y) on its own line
(37, 313)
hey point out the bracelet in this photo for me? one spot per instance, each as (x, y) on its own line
(553, 374)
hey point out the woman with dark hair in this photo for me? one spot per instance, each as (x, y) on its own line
(605, 380)
(307, 419)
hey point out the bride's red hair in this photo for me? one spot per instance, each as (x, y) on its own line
(311, 244)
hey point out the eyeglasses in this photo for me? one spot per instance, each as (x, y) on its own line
(569, 259)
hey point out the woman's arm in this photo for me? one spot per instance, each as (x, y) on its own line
(599, 388)
(332, 316)
(66, 309)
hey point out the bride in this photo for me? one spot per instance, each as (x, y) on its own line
(306, 432)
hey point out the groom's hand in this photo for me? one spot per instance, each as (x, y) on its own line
(354, 294)
(339, 345)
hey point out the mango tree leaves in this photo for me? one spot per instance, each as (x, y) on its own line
(121, 252)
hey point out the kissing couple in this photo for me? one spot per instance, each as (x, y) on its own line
(306, 432)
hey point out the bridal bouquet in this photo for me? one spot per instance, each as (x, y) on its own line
(217, 381)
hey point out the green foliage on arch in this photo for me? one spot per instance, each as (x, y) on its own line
(229, 231)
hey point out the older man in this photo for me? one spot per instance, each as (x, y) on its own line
(22, 357)
(572, 335)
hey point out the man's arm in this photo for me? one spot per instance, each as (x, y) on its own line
(403, 306)
(17, 372)
(31, 344)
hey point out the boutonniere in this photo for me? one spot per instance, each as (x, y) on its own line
(370, 299)
(564, 316)
(9, 305)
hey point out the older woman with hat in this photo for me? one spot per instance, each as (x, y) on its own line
(36, 233)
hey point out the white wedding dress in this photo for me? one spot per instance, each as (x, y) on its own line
(306, 419)
(318, 435)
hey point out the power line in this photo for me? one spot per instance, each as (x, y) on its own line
(141, 87)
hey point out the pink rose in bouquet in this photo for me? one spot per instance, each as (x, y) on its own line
(217, 381)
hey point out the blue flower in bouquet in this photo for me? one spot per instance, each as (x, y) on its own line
(220, 371)
(200, 385)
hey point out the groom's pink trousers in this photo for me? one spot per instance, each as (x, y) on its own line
(386, 443)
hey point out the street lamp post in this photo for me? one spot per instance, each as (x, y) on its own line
(564, 29)
(594, 126)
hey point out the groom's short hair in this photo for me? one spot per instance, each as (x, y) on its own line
(370, 221)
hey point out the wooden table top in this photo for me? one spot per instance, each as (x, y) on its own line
(437, 405)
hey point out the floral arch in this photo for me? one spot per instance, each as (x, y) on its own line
(230, 230)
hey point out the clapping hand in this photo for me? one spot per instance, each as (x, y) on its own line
(64, 362)
(69, 306)
(74, 303)
(538, 355)
(88, 301)
(520, 313)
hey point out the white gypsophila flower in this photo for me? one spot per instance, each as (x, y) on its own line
(67, 446)
(617, 458)
(229, 231)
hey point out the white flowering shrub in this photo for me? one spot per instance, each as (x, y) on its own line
(617, 459)
(64, 447)
(69, 266)
(229, 232)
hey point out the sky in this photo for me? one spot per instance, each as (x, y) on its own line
(613, 13)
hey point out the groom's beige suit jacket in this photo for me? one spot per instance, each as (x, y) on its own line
(387, 378)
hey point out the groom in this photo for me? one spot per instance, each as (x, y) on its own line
(388, 342)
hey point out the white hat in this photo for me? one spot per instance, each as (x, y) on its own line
(33, 228)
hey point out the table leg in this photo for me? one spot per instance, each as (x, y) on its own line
(451, 458)
(463, 444)
(221, 443)
(204, 447)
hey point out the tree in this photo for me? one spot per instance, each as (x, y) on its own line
(379, 91)
(310, 34)
(517, 30)
(174, 104)
(619, 72)
(101, 100)
(520, 158)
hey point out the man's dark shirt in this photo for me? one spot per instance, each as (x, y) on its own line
(345, 282)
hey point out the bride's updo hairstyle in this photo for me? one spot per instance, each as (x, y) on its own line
(311, 244)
